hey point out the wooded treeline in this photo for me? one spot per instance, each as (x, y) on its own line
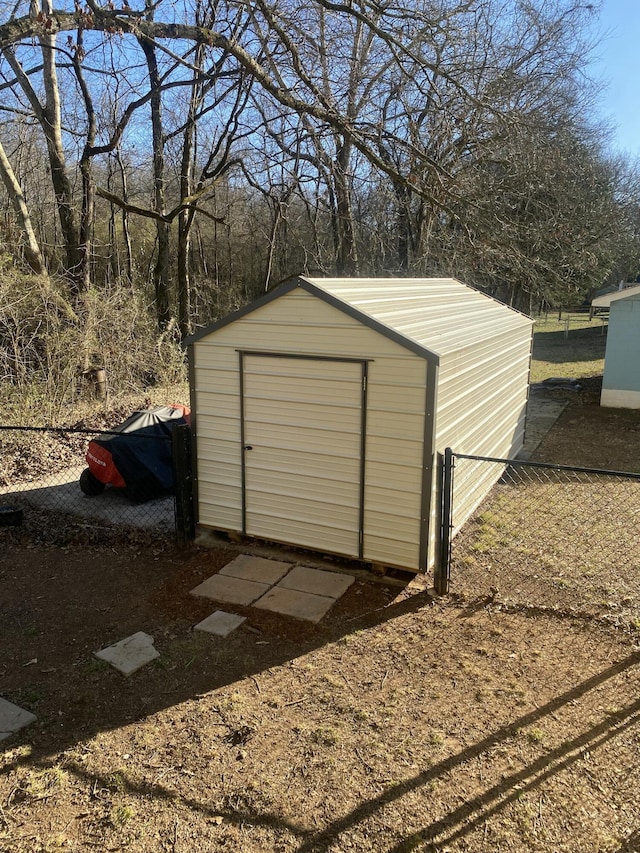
(164, 163)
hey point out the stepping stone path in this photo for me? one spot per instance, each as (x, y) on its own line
(317, 582)
(291, 602)
(256, 569)
(220, 623)
(130, 654)
(243, 580)
(297, 591)
(230, 590)
(305, 593)
(13, 718)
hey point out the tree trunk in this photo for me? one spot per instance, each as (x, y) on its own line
(125, 221)
(186, 217)
(49, 118)
(31, 249)
(87, 210)
(185, 220)
(161, 269)
(403, 226)
(347, 254)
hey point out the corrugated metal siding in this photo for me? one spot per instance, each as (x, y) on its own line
(484, 351)
(608, 299)
(443, 315)
(482, 397)
(217, 395)
(476, 382)
(303, 421)
(395, 440)
(299, 323)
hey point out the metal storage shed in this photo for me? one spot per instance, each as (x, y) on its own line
(621, 379)
(319, 410)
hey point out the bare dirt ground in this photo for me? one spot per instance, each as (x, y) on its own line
(399, 723)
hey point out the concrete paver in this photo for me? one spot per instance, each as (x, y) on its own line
(292, 602)
(13, 718)
(542, 413)
(257, 569)
(130, 654)
(317, 581)
(220, 623)
(231, 590)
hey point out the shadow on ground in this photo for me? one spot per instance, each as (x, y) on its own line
(578, 345)
(60, 606)
(459, 822)
(60, 493)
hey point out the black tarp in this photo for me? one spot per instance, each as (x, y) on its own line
(142, 451)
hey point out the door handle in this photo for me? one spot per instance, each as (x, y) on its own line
(248, 447)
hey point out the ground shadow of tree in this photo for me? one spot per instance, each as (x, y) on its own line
(460, 821)
(96, 699)
(95, 600)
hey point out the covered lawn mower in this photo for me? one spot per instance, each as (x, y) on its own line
(137, 457)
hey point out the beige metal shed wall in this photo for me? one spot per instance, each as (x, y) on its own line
(484, 350)
(303, 425)
(300, 323)
(482, 399)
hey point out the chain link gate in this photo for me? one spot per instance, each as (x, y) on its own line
(544, 535)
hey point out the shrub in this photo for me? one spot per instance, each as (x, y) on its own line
(47, 348)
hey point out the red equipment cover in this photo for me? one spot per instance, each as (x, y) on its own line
(101, 465)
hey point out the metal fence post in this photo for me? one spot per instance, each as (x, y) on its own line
(442, 572)
(182, 477)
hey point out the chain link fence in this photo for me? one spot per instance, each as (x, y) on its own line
(43, 504)
(548, 536)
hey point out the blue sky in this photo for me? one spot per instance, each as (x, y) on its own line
(618, 64)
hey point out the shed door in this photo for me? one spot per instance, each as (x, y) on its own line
(303, 443)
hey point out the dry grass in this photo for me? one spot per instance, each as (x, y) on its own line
(555, 539)
(401, 724)
(573, 351)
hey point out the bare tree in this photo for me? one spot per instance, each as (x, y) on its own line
(161, 269)
(433, 102)
(48, 115)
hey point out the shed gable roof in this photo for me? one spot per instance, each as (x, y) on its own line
(441, 314)
(429, 316)
(628, 300)
(606, 300)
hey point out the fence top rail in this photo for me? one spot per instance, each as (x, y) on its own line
(81, 431)
(528, 463)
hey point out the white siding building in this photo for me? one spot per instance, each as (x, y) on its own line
(319, 410)
(621, 379)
